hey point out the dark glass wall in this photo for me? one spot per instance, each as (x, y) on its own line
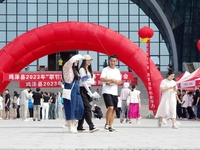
(184, 18)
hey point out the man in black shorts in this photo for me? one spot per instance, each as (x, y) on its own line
(111, 78)
(7, 103)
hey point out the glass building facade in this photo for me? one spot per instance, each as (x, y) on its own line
(186, 29)
(125, 17)
(183, 19)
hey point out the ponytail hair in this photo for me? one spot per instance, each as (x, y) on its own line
(133, 87)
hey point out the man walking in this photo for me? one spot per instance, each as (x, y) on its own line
(111, 78)
(36, 102)
(24, 103)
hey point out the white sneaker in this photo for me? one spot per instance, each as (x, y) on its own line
(177, 123)
(106, 127)
(25, 120)
(164, 121)
(74, 124)
(73, 130)
(0, 118)
(174, 127)
(65, 126)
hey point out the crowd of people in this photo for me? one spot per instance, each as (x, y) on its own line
(188, 105)
(77, 108)
(32, 104)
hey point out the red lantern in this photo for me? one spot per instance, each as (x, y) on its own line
(145, 33)
(198, 45)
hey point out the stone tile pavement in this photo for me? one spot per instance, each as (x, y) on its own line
(49, 135)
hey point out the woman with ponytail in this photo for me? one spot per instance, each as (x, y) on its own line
(134, 104)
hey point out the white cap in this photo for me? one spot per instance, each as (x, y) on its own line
(87, 57)
(95, 105)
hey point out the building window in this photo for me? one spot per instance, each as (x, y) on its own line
(121, 16)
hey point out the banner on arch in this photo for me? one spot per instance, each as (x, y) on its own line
(52, 79)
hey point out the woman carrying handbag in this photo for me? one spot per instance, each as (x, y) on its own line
(74, 106)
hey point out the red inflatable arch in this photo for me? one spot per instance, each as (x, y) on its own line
(62, 36)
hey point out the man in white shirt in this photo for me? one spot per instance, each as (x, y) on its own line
(111, 78)
(24, 103)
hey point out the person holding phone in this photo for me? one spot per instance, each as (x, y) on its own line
(167, 106)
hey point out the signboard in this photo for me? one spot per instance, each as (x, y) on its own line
(52, 79)
(188, 84)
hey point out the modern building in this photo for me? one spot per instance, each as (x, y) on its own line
(176, 25)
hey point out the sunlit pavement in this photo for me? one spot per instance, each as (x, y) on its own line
(48, 134)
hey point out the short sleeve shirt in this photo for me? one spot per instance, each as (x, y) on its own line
(134, 96)
(7, 97)
(24, 97)
(36, 98)
(112, 74)
(185, 100)
(46, 99)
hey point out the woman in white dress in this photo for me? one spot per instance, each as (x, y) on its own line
(167, 106)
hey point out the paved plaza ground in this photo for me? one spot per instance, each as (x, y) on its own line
(48, 134)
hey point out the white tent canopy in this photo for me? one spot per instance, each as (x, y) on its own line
(182, 76)
(190, 77)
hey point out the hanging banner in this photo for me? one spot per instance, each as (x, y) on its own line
(150, 90)
(52, 79)
(32, 76)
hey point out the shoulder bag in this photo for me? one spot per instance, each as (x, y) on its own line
(67, 93)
